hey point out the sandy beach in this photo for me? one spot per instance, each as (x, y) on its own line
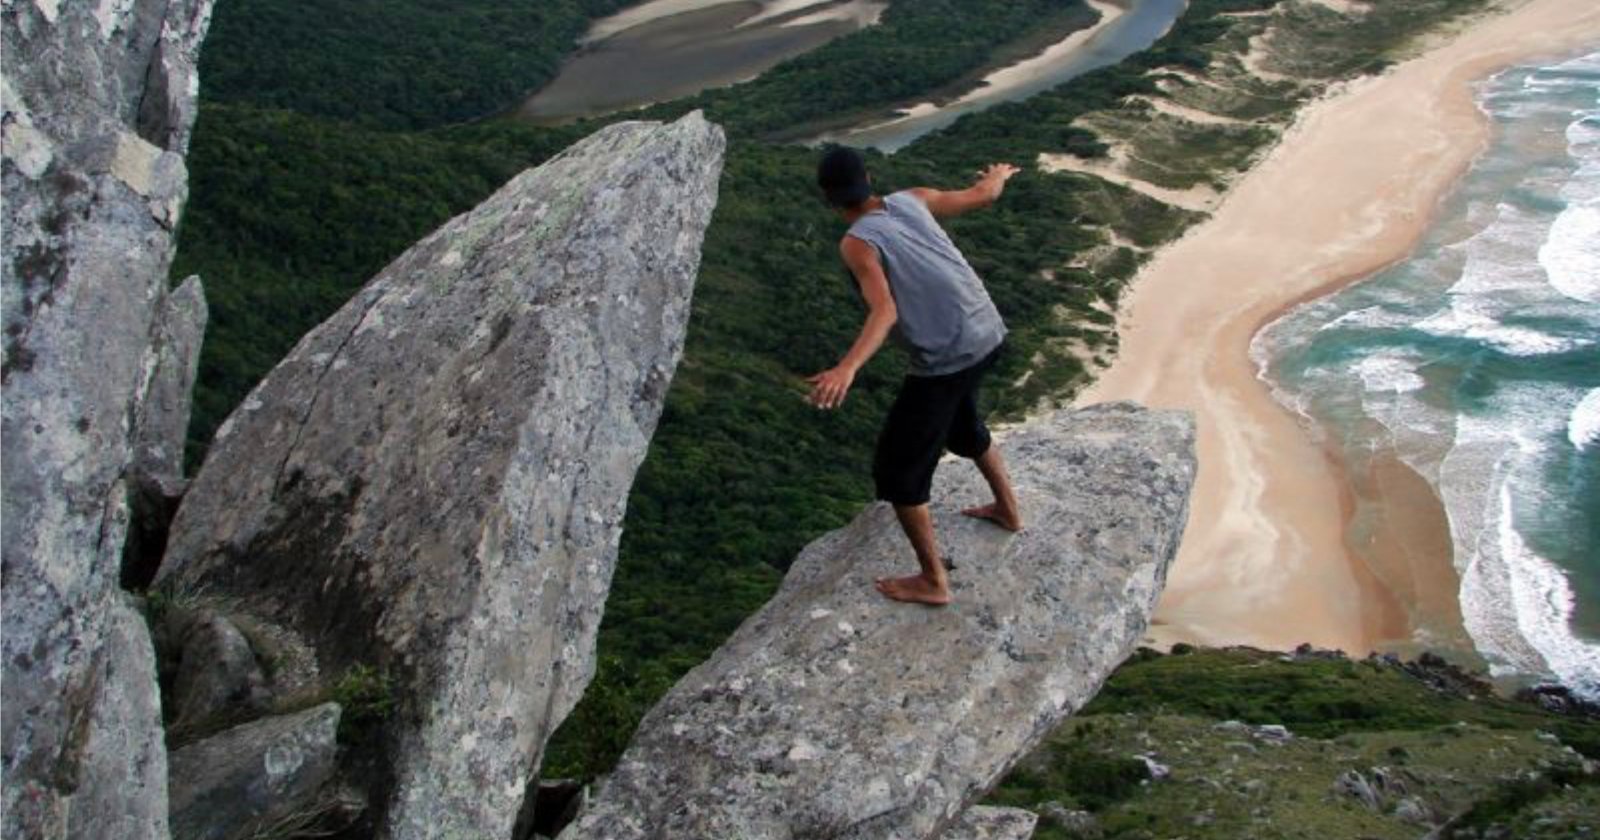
(1349, 189)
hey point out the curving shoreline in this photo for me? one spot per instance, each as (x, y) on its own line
(1350, 188)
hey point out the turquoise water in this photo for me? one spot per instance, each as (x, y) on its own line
(1477, 362)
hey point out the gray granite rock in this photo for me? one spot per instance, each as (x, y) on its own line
(97, 100)
(217, 672)
(253, 774)
(155, 476)
(122, 788)
(162, 422)
(433, 482)
(1081, 825)
(834, 713)
(984, 822)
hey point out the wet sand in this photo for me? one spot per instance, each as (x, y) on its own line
(678, 48)
(1267, 559)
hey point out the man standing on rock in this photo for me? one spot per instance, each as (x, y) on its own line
(919, 287)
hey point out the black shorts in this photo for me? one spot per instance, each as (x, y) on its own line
(931, 414)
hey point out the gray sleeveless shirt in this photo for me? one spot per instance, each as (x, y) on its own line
(946, 320)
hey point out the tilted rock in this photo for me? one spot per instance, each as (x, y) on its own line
(123, 780)
(433, 482)
(97, 101)
(253, 774)
(835, 713)
(155, 478)
(984, 822)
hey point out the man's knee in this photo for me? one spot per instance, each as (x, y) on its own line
(900, 487)
(970, 444)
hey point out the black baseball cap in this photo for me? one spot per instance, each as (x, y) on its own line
(842, 175)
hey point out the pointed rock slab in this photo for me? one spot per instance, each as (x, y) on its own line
(835, 713)
(160, 429)
(433, 482)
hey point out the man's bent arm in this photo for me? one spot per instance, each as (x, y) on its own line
(862, 259)
(830, 386)
(983, 193)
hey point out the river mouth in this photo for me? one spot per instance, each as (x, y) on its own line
(667, 49)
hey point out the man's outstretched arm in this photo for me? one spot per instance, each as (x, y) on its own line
(991, 182)
(829, 387)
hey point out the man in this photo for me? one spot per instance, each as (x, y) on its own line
(918, 287)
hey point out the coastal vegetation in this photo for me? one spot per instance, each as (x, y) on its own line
(302, 192)
(1245, 743)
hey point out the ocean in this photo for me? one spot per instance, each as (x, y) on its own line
(1476, 362)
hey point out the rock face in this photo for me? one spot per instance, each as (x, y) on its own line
(123, 782)
(433, 482)
(98, 102)
(252, 775)
(834, 713)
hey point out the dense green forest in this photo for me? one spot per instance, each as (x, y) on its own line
(291, 212)
(389, 63)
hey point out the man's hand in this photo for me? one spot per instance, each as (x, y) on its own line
(991, 182)
(995, 175)
(829, 387)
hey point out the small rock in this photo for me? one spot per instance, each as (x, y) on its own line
(1352, 783)
(252, 774)
(983, 822)
(1156, 769)
(1272, 733)
(1414, 810)
(217, 672)
(1076, 824)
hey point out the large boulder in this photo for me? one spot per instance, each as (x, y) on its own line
(835, 713)
(98, 99)
(432, 484)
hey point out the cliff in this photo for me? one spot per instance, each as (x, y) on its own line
(98, 101)
(832, 712)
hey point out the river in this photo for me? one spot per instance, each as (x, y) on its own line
(664, 49)
(1122, 31)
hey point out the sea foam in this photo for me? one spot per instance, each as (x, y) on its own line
(1476, 362)
(1583, 427)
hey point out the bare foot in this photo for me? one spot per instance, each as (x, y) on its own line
(914, 588)
(1007, 519)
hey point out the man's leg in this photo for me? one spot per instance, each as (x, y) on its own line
(907, 454)
(969, 438)
(931, 586)
(1004, 510)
